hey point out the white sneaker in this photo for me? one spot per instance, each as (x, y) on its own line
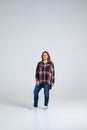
(35, 108)
(45, 107)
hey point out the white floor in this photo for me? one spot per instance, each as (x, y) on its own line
(59, 116)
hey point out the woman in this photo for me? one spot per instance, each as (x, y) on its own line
(45, 78)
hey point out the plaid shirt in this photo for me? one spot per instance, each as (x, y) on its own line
(45, 72)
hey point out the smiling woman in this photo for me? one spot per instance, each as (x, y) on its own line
(45, 78)
(45, 56)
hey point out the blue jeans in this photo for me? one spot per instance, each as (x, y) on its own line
(36, 91)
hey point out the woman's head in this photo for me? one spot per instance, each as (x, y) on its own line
(45, 56)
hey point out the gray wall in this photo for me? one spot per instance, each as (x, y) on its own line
(29, 27)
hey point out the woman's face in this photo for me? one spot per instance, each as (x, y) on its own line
(45, 56)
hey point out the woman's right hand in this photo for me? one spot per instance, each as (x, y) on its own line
(37, 83)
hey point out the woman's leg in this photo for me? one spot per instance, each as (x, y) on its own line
(46, 94)
(36, 97)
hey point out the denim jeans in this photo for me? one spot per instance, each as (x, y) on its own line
(36, 91)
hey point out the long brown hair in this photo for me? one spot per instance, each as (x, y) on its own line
(49, 59)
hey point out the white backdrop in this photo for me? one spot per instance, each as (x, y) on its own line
(29, 27)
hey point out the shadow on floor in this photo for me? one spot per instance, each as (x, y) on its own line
(18, 104)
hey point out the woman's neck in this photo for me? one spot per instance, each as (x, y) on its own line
(45, 61)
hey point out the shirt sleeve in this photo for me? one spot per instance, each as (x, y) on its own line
(53, 73)
(36, 74)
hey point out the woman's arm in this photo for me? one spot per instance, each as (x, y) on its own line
(53, 74)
